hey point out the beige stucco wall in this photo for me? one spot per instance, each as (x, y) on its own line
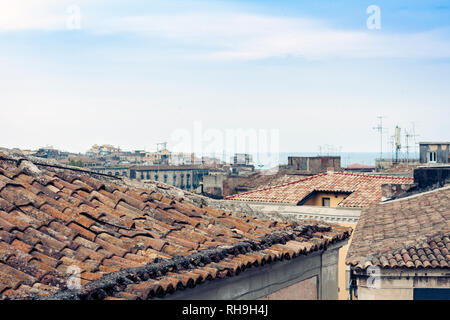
(335, 199)
(303, 290)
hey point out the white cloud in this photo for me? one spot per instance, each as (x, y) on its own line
(31, 14)
(233, 35)
(247, 37)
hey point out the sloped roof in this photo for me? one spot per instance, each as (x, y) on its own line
(360, 166)
(130, 242)
(412, 232)
(365, 189)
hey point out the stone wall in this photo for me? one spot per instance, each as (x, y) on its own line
(391, 190)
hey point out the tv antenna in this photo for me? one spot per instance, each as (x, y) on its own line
(398, 142)
(409, 136)
(380, 129)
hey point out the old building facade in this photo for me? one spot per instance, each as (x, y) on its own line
(314, 165)
(183, 177)
(434, 152)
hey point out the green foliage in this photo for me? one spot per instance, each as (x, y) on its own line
(76, 163)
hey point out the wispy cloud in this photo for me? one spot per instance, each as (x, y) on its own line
(247, 37)
(234, 35)
(31, 15)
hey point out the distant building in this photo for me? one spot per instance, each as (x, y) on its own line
(356, 167)
(212, 185)
(183, 177)
(159, 157)
(332, 189)
(82, 161)
(180, 158)
(434, 152)
(50, 153)
(241, 164)
(118, 171)
(102, 150)
(242, 159)
(313, 165)
(395, 165)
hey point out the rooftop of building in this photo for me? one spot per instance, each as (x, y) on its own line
(360, 166)
(131, 240)
(363, 189)
(434, 142)
(410, 233)
(139, 167)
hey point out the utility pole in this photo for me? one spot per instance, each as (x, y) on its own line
(380, 129)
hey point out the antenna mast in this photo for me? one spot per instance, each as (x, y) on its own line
(380, 128)
(397, 141)
(409, 135)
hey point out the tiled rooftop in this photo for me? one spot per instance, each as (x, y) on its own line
(365, 189)
(360, 166)
(129, 240)
(412, 232)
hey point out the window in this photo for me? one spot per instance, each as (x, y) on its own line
(142, 175)
(148, 175)
(325, 202)
(174, 180)
(182, 181)
(432, 156)
(165, 178)
(156, 177)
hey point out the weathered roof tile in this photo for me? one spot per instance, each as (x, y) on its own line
(61, 218)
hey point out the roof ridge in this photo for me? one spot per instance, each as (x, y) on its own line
(373, 175)
(162, 266)
(416, 195)
(232, 197)
(18, 157)
(277, 186)
(123, 245)
(412, 244)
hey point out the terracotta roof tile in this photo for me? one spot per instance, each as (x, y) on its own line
(411, 232)
(130, 243)
(364, 189)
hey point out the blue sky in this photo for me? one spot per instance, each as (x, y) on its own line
(137, 72)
